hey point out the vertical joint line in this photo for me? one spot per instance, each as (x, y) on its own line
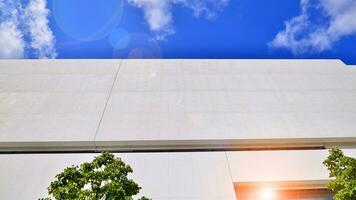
(230, 172)
(106, 104)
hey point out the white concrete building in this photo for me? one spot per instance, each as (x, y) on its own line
(191, 129)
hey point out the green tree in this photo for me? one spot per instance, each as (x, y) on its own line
(105, 178)
(343, 171)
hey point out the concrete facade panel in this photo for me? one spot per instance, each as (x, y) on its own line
(107, 103)
(275, 166)
(53, 101)
(194, 100)
(183, 176)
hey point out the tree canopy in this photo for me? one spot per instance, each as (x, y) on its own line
(105, 178)
(343, 171)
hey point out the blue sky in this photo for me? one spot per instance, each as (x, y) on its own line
(178, 29)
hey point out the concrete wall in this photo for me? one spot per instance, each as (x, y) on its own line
(170, 176)
(150, 104)
(94, 105)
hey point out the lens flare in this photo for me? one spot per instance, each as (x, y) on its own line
(139, 46)
(119, 38)
(85, 20)
(267, 193)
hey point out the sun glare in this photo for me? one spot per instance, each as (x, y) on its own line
(267, 193)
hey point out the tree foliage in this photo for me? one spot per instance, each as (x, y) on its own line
(105, 178)
(343, 169)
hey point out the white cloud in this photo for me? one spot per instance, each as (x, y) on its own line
(11, 42)
(11, 38)
(303, 35)
(42, 39)
(24, 30)
(158, 13)
(158, 16)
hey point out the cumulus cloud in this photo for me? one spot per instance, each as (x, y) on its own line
(42, 40)
(11, 42)
(24, 30)
(159, 17)
(320, 24)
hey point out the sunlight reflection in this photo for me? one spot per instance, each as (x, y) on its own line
(267, 193)
(82, 19)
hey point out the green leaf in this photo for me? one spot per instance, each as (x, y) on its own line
(343, 171)
(105, 178)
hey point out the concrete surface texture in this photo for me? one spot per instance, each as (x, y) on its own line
(130, 104)
(174, 105)
(170, 176)
(163, 176)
